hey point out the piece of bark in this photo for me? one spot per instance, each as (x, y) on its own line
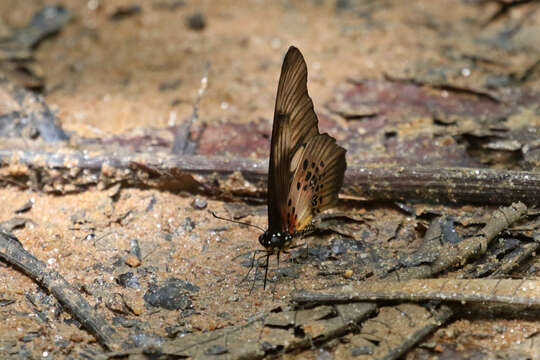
(67, 170)
(13, 253)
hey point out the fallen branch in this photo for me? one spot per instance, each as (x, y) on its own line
(455, 185)
(508, 292)
(71, 171)
(13, 253)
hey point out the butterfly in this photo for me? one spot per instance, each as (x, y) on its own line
(306, 168)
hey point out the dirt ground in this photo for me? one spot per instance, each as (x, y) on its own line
(109, 76)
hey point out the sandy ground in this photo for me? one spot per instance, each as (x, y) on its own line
(108, 77)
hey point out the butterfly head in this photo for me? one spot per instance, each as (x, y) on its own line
(272, 241)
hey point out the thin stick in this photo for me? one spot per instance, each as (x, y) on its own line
(13, 253)
(182, 143)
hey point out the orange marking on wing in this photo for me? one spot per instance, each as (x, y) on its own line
(292, 223)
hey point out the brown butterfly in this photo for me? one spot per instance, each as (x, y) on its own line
(306, 168)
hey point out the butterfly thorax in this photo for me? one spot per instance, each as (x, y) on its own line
(275, 241)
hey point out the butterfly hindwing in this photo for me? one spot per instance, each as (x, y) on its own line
(316, 182)
(295, 122)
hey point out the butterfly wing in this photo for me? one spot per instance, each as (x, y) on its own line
(316, 182)
(306, 168)
(295, 123)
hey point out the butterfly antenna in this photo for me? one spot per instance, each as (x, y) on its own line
(236, 221)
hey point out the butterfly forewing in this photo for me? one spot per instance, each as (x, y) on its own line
(295, 123)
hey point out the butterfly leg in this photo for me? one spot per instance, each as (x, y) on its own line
(275, 283)
(255, 252)
(266, 270)
(254, 279)
(256, 272)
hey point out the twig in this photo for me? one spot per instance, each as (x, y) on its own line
(182, 143)
(13, 253)
(522, 253)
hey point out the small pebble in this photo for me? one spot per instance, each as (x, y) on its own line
(134, 249)
(128, 280)
(196, 21)
(188, 224)
(348, 273)
(132, 260)
(135, 304)
(199, 203)
(362, 350)
(216, 350)
(76, 337)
